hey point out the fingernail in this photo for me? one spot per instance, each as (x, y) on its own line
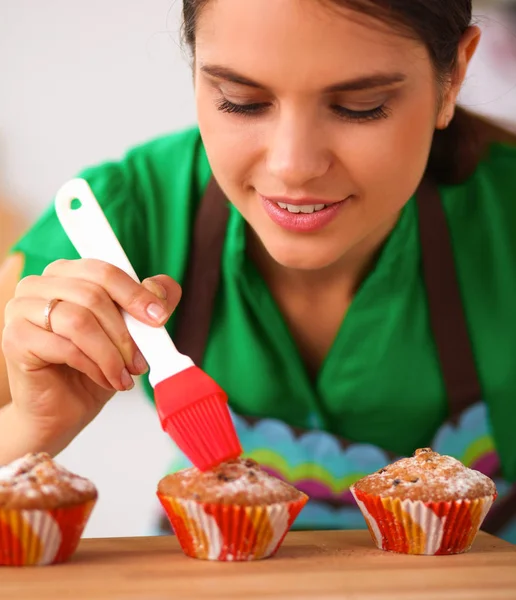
(127, 380)
(140, 363)
(156, 288)
(157, 312)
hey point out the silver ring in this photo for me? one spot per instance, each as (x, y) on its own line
(48, 309)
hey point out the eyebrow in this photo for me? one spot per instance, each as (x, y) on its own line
(353, 85)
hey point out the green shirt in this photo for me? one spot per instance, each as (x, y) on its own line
(381, 382)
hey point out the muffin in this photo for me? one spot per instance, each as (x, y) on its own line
(426, 504)
(43, 511)
(233, 512)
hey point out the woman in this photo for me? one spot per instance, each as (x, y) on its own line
(356, 301)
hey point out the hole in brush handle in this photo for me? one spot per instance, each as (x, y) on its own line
(87, 227)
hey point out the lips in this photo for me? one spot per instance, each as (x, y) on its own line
(301, 215)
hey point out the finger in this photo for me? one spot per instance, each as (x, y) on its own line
(127, 293)
(80, 326)
(93, 297)
(43, 348)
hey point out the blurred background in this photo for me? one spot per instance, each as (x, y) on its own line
(82, 81)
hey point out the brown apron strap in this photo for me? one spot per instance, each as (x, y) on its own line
(447, 316)
(203, 274)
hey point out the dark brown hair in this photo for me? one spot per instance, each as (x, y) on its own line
(439, 24)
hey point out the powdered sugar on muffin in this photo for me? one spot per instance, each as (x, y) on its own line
(429, 477)
(36, 481)
(240, 481)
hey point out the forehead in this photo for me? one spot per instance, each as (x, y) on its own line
(301, 43)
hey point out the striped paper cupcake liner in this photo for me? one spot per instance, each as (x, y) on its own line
(416, 527)
(41, 537)
(230, 532)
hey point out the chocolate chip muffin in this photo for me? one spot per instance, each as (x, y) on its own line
(425, 504)
(239, 481)
(37, 482)
(235, 511)
(43, 511)
(429, 477)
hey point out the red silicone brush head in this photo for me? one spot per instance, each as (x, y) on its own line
(194, 411)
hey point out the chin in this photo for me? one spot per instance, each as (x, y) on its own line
(301, 257)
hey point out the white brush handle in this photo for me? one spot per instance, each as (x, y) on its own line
(90, 232)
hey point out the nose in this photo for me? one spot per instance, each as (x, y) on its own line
(297, 152)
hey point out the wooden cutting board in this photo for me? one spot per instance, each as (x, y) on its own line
(319, 565)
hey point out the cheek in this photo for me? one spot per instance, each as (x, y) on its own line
(387, 162)
(232, 145)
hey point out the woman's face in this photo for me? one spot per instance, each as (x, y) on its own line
(317, 123)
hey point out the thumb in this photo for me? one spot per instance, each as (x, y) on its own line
(165, 288)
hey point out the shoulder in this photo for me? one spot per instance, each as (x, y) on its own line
(185, 144)
(153, 167)
(486, 202)
(148, 196)
(497, 172)
(153, 193)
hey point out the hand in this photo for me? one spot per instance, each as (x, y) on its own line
(61, 379)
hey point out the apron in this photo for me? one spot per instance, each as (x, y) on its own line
(319, 463)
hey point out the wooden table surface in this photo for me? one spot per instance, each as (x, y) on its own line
(319, 565)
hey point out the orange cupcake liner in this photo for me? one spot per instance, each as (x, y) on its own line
(41, 537)
(416, 527)
(230, 532)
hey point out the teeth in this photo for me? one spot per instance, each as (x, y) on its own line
(306, 209)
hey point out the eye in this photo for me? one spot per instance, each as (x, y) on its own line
(255, 108)
(361, 116)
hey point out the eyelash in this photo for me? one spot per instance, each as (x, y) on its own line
(257, 108)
